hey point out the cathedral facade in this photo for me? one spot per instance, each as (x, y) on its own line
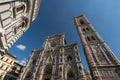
(16, 17)
(55, 61)
(102, 62)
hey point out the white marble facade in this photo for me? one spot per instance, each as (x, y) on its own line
(15, 18)
(55, 61)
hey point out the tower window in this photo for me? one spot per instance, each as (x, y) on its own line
(80, 68)
(77, 53)
(78, 58)
(93, 38)
(87, 29)
(84, 30)
(88, 38)
(82, 22)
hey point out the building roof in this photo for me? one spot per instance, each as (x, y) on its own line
(18, 64)
(11, 55)
(55, 35)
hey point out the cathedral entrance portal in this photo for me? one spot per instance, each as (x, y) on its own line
(47, 72)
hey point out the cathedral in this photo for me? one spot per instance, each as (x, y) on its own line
(102, 62)
(55, 61)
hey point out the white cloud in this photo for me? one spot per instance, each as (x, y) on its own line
(21, 47)
(22, 62)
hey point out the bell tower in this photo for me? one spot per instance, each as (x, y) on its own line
(101, 60)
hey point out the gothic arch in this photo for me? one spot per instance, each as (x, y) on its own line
(50, 59)
(47, 72)
(70, 72)
(69, 58)
(82, 22)
(70, 75)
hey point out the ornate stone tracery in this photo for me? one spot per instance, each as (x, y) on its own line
(58, 64)
(102, 63)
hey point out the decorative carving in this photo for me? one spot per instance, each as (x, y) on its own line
(54, 65)
(96, 51)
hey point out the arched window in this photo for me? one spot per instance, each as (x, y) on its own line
(20, 8)
(87, 29)
(82, 22)
(21, 24)
(80, 68)
(69, 58)
(93, 38)
(84, 30)
(18, 27)
(70, 75)
(88, 38)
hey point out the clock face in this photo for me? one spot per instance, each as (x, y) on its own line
(53, 44)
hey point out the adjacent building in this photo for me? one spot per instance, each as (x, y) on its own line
(16, 17)
(55, 61)
(14, 73)
(6, 62)
(102, 62)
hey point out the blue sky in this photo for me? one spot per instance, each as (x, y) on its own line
(56, 16)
